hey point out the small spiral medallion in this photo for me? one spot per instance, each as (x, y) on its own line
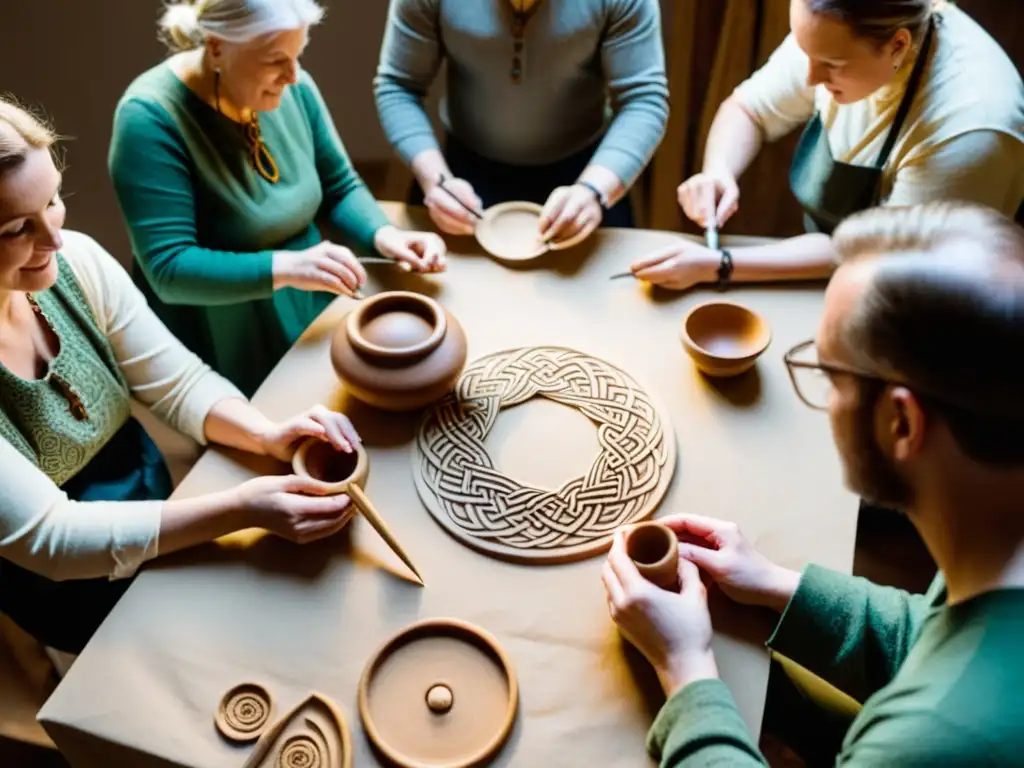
(244, 712)
(302, 751)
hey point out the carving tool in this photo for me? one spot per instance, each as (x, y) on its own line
(474, 212)
(364, 505)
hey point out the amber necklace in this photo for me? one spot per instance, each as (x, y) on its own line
(75, 404)
(522, 11)
(259, 155)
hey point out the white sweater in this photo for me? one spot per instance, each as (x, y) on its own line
(964, 136)
(40, 528)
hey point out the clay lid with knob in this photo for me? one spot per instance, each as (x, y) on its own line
(439, 693)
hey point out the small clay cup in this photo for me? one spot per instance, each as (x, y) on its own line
(399, 351)
(319, 460)
(654, 549)
(723, 338)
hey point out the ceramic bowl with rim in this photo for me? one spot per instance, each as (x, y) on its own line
(510, 232)
(724, 338)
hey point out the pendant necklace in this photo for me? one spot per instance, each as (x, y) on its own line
(259, 155)
(522, 11)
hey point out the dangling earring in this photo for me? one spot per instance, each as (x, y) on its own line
(216, 87)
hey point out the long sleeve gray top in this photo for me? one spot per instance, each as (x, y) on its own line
(589, 68)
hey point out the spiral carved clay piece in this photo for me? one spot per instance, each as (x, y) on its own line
(313, 735)
(301, 752)
(244, 712)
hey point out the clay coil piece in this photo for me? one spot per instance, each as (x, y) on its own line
(244, 712)
(459, 485)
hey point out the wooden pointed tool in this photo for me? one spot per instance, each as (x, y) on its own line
(320, 461)
(363, 503)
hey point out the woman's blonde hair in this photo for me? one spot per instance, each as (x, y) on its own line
(20, 132)
(944, 311)
(880, 20)
(186, 25)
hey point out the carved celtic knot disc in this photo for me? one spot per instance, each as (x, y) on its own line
(458, 482)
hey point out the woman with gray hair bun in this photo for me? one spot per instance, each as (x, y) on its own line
(223, 157)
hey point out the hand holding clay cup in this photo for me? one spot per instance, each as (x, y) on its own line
(671, 628)
(282, 439)
(339, 472)
(297, 509)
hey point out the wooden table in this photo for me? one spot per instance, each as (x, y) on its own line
(299, 619)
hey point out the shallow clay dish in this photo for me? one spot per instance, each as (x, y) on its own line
(439, 693)
(654, 549)
(723, 338)
(244, 712)
(399, 351)
(313, 735)
(510, 232)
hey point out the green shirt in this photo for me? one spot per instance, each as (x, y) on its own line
(941, 685)
(204, 225)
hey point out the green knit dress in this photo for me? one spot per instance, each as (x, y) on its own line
(204, 225)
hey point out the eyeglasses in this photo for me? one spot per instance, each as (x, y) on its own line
(812, 378)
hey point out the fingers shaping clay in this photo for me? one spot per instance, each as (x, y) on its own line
(457, 480)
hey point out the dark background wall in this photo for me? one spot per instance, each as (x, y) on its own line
(75, 58)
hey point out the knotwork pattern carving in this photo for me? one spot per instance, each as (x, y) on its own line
(463, 490)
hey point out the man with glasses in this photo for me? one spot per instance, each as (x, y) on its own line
(919, 363)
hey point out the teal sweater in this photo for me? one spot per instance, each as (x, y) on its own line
(942, 686)
(204, 225)
(582, 62)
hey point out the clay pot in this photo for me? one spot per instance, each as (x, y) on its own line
(723, 338)
(399, 351)
(654, 548)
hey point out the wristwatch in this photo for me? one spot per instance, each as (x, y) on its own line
(597, 194)
(724, 269)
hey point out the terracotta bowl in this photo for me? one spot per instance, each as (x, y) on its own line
(723, 338)
(399, 351)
